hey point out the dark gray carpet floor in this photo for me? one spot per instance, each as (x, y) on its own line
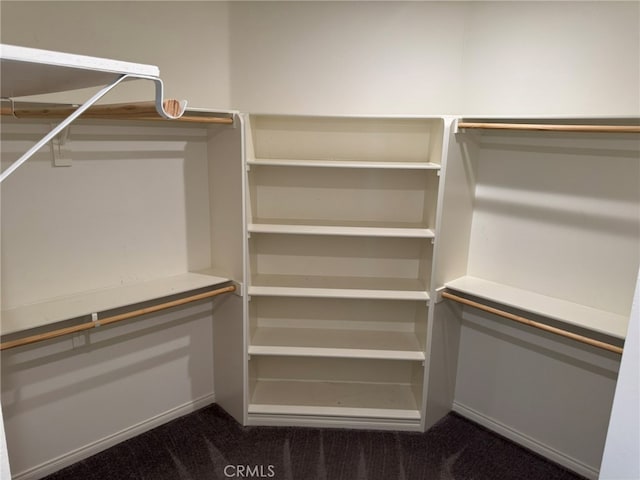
(210, 445)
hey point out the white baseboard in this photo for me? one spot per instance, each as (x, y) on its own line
(526, 441)
(55, 464)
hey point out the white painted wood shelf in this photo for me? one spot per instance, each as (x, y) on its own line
(31, 71)
(346, 163)
(338, 287)
(341, 343)
(571, 313)
(81, 304)
(363, 229)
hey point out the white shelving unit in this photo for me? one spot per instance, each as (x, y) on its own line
(547, 222)
(540, 221)
(570, 313)
(121, 253)
(341, 215)
(145, 212)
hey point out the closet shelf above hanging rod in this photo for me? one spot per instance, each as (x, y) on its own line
(599, 321)
(141, 111)
(532, 323)
(81, 304)
(115, 318)
(559, 127)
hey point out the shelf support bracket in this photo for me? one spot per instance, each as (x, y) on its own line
(439, 291)
(454, 126)
(59, 149)
(80, 110)
(61, 126)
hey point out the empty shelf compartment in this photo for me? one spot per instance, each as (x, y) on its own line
(335, 387)
(327, 327)
(414, 140)
(349, 198)
(342, 266)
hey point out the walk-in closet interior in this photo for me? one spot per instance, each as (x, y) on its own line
(429, 210)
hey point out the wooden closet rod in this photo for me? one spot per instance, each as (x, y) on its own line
(113, 319)
(116, 111)
(552, 127)
(531, 323)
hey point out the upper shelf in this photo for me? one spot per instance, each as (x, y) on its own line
(31, 71)
(339, 228)
(571, 313)
(77, 305)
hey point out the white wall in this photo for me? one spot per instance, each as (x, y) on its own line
(550, 394)
(436, 57)
(5, 470)
(620, 460)
(71, 397)
(552, 58)
(347, 57)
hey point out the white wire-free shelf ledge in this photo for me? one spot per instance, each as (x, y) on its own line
(73, 306)
(571, 313)
(338, 287)
(399, 165)
(340, 230)
(30, 71)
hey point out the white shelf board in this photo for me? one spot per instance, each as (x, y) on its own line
(285, 162)
(30, 71)
(338, 287)
(557, 309)
(344, 230)
(347, 399)
(341, 343)
(81, 304)
(295, 410)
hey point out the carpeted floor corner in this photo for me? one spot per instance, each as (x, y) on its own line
(210, 445)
